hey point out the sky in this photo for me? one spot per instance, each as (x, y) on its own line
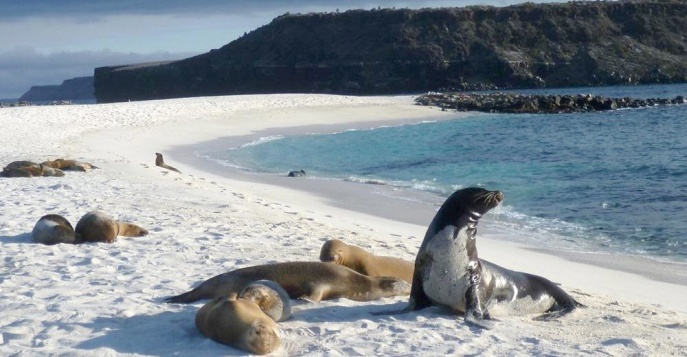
(45, 42)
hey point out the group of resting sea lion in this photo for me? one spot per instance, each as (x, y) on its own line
(55, 167)
(94, 226)
(447, 272)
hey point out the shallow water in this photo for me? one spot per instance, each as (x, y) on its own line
(613, 181)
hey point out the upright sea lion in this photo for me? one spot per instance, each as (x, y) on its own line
(272, 299)
(97, 226)
(159, 161)
(52, 229)
(448, 272)
(364, 262)
(314, 281)
(239, 323)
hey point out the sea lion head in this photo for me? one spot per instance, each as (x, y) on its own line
(270, 297)
(333, 251)
(474, 201)
(262, 338)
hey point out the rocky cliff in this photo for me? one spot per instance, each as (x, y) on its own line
(80, 88)
(401, 51)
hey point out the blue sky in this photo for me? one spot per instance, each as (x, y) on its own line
(47, 41)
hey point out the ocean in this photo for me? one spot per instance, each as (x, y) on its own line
(613, 182)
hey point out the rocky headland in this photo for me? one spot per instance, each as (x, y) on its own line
(80, 88)
(393, 51)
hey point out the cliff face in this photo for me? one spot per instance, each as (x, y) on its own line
(397, 51)
(80, 88)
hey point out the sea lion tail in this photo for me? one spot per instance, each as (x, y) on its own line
(185, 298)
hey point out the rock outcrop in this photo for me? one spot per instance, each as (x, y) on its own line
(387, 51)
(535, 103)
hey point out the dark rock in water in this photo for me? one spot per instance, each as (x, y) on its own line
(381, 51)
(297, 173)
(518, 103)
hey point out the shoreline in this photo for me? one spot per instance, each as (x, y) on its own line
(107, 299)
(352, 196)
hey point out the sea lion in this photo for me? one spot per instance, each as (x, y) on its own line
(448, 272)
(298, 173)
(272, 299)
(159, 161)
(15, 172)
(238, 323)
(97, 226)
(364, 262)
(52, 229)
(49, 171)
(69, 165)
(28, 169)
(20, 167)
(314, 281)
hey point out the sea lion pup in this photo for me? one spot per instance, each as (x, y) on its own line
(159, 161)
(70, 165)
(52, 229)
(314, 281)
(366, 263)
(272, 299)
(238, 323)
(298, 173)
(448, 272)
(97, 226)
(49, 171)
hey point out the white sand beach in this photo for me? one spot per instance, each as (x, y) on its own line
(107, 299)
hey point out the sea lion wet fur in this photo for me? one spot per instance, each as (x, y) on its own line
(314, 281)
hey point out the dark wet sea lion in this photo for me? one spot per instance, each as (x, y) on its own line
(449, 273)
(313, 281)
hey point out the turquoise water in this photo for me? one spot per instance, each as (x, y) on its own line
(613, 181)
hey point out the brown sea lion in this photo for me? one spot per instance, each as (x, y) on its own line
(314, 281)
(97, 226)
(159, 161)
(69, 165)
(238, 323)
(364, 262)
(272, 299)
(52, 229)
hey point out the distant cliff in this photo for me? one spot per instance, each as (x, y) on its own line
(80, 88)
(397, 51)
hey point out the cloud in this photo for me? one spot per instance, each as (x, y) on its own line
(22, 68)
